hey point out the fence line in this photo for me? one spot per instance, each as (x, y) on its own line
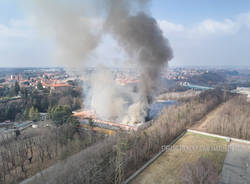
(219, 136)
(140, 170)
(153, 159)
(173, 142)
(208, 134)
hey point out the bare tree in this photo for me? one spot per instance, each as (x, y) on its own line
(201, 172)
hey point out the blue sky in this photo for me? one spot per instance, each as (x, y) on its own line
(10, 9)
(201, 32)
(189, 12)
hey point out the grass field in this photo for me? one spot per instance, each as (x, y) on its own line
(167, 168)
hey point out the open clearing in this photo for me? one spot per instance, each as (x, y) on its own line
(167, 168)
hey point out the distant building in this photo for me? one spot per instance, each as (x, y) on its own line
(60, 86)
(44, 116)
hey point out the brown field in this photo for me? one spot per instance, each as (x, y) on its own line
(167, 168)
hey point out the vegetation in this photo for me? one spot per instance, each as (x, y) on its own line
(39, 100)
(10, 109)
(37, 150)
(233, 119)
(202, 171)
(208, 78)
(16, 88)
(10, 91)
(115, 158)
(34, 114)
(39, 86)
(60, 114)
(185, 95)
(177, 164)
(107, 161)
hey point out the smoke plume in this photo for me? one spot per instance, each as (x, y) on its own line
(136, 31)
(108, 98)
(75, 35)
(141, 37)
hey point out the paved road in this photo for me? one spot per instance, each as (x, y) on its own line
(236, 168)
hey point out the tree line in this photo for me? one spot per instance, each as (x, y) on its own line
(233, 119)
(34, 150)
(114, 159)
(33, 101)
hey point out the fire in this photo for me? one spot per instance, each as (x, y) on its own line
(89, 114)
(86, 114)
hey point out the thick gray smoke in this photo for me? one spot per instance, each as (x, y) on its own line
(130, 24)
(141, 37)
(105, 91)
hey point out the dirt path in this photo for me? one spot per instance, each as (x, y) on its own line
(202, 125)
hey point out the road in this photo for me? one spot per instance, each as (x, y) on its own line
(236, 168)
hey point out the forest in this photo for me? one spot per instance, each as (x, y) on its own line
(114, 158)
(32, 101)
(233, 119)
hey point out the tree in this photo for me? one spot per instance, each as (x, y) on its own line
(9, 110)
(4, 91)
(26, 113)
(73, 121)
(60, 114)
(91, 123)
(17, 88)
(201, 172)
(19, 117)
(66, 100)
(34, 114)
(39, 86)
(44, 103)
(119, 167)
(25, 93)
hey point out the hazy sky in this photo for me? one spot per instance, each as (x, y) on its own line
(201, 32)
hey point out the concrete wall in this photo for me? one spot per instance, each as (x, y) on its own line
(219, 136)
(133, 176)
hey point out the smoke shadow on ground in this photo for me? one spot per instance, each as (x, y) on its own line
(156, 108)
